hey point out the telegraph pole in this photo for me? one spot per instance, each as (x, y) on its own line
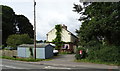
(34, 30)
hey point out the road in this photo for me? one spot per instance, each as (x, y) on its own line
(12, 64)
(60, 63)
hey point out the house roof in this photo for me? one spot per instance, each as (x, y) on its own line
(71, 33)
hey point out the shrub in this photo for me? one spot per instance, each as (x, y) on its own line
(18, 39)
(78, 55)
(110, 54)
(104, 54)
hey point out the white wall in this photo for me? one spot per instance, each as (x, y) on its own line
(51, 35)
(66, 37)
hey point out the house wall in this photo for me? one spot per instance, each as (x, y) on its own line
(66, 37)
(51, 35)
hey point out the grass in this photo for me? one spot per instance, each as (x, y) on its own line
(98, 62)
(65, 53)
(25, 59)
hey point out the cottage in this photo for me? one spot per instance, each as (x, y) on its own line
(43, 50)
(66, 36)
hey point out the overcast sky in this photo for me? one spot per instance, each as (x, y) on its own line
(48, 14)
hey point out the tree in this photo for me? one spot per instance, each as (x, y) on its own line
(10, 21)
(39, 41)
(100, 23)
(8, 26)
(24, 25)
(16, 39)
(100, 30)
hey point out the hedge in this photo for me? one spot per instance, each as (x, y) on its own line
(78, 56)
(105, 54)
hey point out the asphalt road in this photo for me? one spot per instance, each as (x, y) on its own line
(62, 63)
(12, 64)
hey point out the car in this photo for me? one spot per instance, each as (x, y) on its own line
(55, 52)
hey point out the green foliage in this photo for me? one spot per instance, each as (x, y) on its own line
(10, 21)
(16, 39)
(104, 54)
(7, 22)
(78, 55)
(24, 25)
(57, 40)
(100, 23)
(31, 52)
(65, 52)
(40, 41)
(100, 30)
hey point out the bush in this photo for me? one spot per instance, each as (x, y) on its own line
(78, 55)
(18, 39)
(105, 54)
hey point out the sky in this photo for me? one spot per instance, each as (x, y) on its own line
(48, 14)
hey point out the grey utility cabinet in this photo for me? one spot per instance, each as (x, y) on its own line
(43, 50)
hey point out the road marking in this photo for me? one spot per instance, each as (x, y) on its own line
(11, 67)
(51, 67)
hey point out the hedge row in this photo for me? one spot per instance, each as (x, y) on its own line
(102, 53)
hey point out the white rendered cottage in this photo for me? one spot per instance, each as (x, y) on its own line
(66, 36)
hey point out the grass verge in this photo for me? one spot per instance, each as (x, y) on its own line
(65, 53)
(25, 59)
(98, 62)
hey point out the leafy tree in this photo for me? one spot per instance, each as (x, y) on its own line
(100, 30)
(100, 23)
(24, 25)
(39, 41)
(10, 21)
(16, 39)
(44, 41)
(8, 26)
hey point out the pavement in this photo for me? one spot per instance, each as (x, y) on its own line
(68, 61)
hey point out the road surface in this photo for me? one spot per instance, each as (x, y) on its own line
(13, 64)
(62, 63)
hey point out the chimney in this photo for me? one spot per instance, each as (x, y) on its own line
(65, 27)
